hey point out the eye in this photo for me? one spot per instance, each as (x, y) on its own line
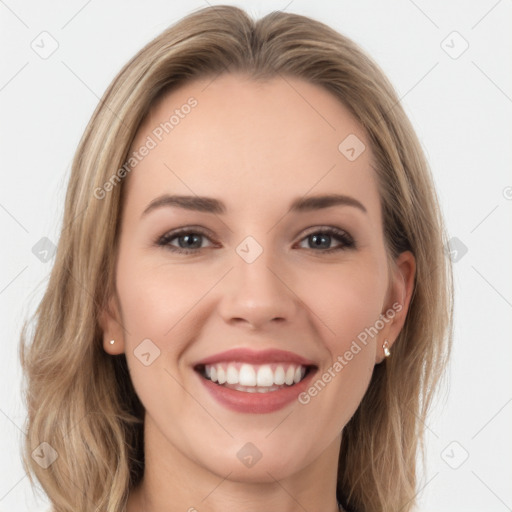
(187, 240)
(190, 240)
(321, 239)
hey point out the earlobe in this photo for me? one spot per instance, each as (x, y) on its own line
(385, 347)
(399, 299)
(110, 323)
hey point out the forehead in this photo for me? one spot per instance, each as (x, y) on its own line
(239, 139)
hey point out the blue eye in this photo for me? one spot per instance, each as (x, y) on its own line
(322, 238)
(189, 241)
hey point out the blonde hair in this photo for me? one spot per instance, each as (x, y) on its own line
(81, 400)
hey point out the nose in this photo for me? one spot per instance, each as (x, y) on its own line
(257, 294)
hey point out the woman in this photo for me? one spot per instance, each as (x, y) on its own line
(250, 306)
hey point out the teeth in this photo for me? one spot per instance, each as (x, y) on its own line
(231, 375)
(265, 377)
(279, 376)
(221, 375)
(256, 389)
(290, 373)
(260, 377)
(247, 375)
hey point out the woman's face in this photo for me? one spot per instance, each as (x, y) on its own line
(251, 249)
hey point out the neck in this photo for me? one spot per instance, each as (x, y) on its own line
(173, 482)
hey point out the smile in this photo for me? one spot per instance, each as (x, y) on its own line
(251, 378)
(255, 382)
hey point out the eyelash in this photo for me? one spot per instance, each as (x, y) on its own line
(347, 242)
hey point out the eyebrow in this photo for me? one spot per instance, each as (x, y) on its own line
(212, 205)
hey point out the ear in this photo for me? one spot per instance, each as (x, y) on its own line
(403, 271)
(111, 325)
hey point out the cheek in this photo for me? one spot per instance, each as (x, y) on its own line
(348, 306)
(348, 302)
(347, 299)
(156, 297)
(156, 303)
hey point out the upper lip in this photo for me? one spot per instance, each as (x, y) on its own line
(245, 355)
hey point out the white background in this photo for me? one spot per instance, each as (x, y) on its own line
(461, 108)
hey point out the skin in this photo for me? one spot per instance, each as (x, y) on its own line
(256, 146)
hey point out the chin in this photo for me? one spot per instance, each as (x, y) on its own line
(246, 463)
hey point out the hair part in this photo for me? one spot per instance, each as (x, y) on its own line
(81, 400)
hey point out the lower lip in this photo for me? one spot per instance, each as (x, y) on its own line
(256, 403)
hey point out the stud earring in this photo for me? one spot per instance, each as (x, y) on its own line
(112, 342)
(385, 346)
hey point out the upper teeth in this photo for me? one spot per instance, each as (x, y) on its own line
(265, 375)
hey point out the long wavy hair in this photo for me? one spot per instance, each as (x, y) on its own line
(81, 401)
